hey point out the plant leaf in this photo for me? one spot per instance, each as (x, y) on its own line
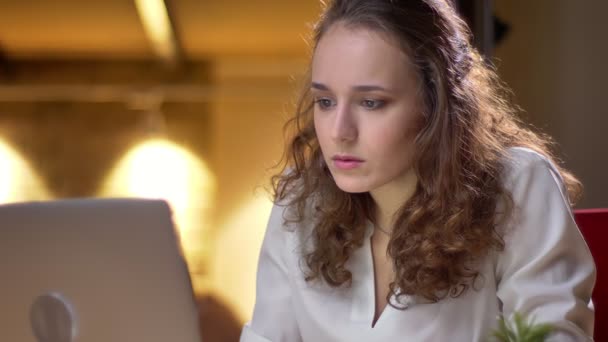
(521, 330)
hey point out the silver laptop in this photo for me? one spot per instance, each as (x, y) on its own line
(93, 270)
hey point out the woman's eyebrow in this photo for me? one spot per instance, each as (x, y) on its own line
(319, 86)
(364, 88)
(358, 88)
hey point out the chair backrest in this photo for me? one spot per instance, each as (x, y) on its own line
(593, 224)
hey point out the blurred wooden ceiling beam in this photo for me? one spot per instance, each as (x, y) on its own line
(241, 80)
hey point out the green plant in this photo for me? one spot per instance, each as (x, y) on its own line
(521, 330)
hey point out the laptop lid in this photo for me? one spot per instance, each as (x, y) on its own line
(93, 270)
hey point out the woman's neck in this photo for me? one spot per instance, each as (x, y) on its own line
(390, 197)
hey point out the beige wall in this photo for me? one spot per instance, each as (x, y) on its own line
(555, 59)
(254, 99)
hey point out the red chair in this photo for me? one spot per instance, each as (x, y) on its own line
(593, 224)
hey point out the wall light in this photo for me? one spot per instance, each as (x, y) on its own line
(161, 169)
(235, 272)
(18, 181)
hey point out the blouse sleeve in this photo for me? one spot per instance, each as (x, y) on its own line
(546, 271)
(273, 315)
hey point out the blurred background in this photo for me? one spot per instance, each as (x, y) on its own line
(185, 100)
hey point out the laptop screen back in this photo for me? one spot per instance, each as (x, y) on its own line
(93, 271)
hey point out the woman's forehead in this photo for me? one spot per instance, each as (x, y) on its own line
(356, 56)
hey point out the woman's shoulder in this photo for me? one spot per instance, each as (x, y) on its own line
(520, 158)
(537, 191)
(522, 164)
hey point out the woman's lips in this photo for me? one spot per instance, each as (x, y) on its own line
(347, 162)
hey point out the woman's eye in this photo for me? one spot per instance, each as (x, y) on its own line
(324, 103)
(372, 104)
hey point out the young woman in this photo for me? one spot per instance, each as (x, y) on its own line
(414, 206)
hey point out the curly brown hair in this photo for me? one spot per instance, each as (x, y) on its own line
(452, 220)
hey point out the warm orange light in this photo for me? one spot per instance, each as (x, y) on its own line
(161, 169)
(155, 18)
(18, 181)
(235, 255)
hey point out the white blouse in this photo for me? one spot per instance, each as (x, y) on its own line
(546, 272)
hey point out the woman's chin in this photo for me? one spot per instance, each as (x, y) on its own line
(351, 186)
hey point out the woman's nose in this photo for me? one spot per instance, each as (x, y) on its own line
(344, 125)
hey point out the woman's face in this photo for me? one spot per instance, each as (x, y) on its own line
(367, 108)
